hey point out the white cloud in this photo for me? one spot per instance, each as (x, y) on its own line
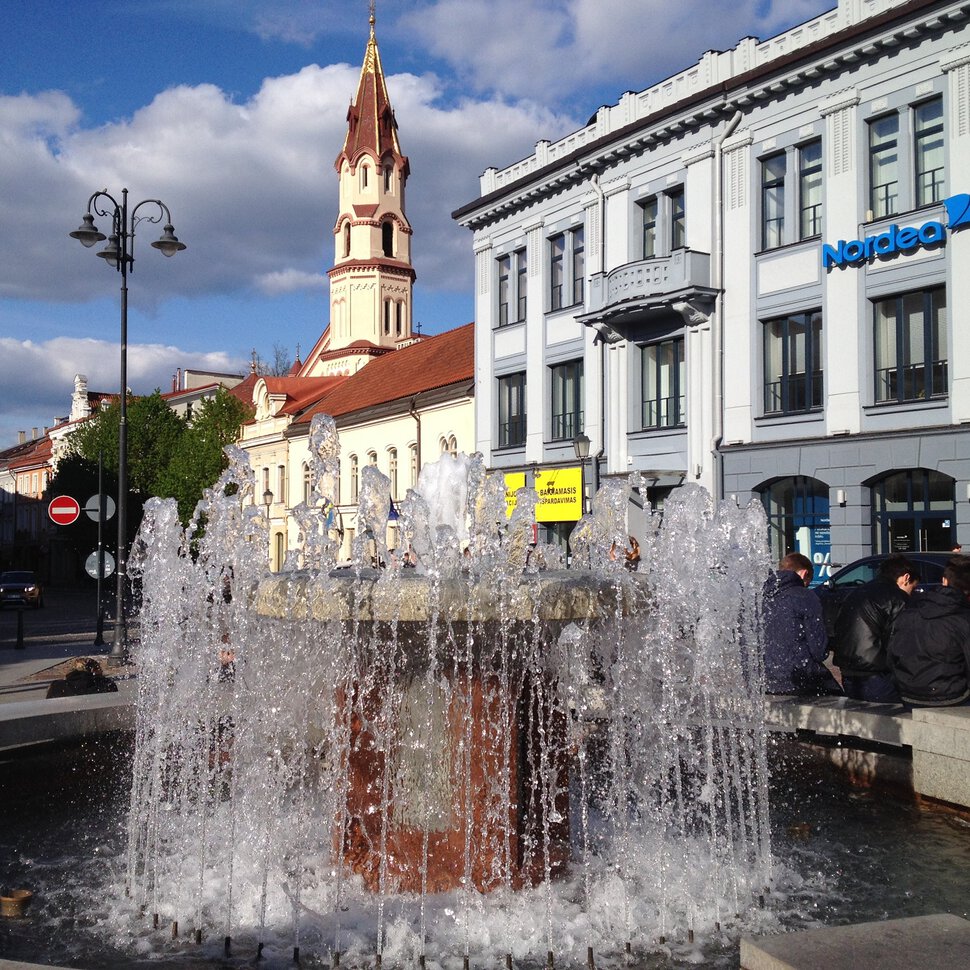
(38, 377)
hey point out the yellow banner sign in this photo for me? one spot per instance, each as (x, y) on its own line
(513, 482)
(560, 493)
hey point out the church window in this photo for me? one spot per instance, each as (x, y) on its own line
(346, 239)
(363, 176)
(387, 316)
(387, 238)
(399, 318)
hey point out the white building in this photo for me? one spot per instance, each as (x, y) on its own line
(750, 275)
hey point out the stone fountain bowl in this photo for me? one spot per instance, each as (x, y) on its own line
(15, 902)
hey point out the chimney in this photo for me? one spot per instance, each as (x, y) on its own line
(33, 434)
(21, 437)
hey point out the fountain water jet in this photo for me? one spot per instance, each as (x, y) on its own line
(470, 756)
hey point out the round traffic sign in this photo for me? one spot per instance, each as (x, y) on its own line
(93, 507)
(91, 565)
(63, 510)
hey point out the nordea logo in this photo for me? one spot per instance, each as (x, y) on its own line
(895, 240)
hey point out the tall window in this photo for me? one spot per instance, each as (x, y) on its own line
(521, 283)
(579, 264)
(798, 519)
(567, 268)
(399, 318)
(449, 446)
(372, 458)
(363, 176)
(678, 224)
(387, 238)
(346, 239)
(928, 135)
(884, 165)
(392, 471)
(793, 363)
(504, 269)
(567, 400)
(650, 211)
(773, 171)
(387, 316)
(388, 178)
(911, 351)
(810, 190)
(663, 384)
(511, 411)
(354, 479)
(306, 482)
(281, 483)
(413, 464)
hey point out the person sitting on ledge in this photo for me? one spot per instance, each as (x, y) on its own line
(929, 650)
(862, 630)
(795, 640)
(86, 677)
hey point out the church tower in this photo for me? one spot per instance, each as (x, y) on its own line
(372, 279)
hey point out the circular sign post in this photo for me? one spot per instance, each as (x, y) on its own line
(93, 562)
(64, 510)
(92, 507)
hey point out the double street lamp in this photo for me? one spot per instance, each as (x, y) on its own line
(119, 253)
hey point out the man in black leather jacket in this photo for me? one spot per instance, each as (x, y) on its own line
(929, 651)
(862, 631)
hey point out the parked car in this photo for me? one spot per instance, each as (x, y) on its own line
(836, 588)
(20, 588)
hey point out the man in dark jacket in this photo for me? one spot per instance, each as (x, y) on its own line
(862, 630)
(795, 639)
(929, 651)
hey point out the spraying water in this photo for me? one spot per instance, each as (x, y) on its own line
(480, 757)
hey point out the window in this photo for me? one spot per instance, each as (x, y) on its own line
(884, 166)
(579, 264)
(678, 227)
(511, 411)
(521, 283)
(399, 318)
(798, 519)
(650, 209)
(387, 238)
(392, 471)
(413, 464)
(504, 268)
(388, 178)
(281, 483)
(346, 239)
(363, 176)
(372, 458)
(567, 400)
(387, 316)
(566, 244)
(793, 363)
(306, 483)
(910, 346)
(354, 479)
(773, 171)
(928, 151)
(449, 446)
(663, 384)
(810, 190)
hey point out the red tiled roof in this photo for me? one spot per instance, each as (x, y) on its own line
(433, 362)
(39, 453)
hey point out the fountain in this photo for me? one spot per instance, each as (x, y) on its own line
(484, 756)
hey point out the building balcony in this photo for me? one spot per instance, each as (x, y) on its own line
(663, 283)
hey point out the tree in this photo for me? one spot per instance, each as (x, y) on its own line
(200, 458)
(280, 366)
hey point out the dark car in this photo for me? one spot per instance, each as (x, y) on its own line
(837, 587)
(20, 588)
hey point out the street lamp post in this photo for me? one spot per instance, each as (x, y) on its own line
(268, 501)
(120, 253)
(581, 447)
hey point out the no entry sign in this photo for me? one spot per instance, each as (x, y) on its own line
(64, 510)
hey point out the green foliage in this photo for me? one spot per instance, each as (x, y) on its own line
(200, 458)
(167, 456)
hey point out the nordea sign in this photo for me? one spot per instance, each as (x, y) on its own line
(898, 240)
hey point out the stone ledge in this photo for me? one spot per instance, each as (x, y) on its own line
(841, 716)
(31, 722)
(941, 940)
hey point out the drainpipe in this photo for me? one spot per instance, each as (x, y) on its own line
(598, 457)
(413, 411)
(717, 323)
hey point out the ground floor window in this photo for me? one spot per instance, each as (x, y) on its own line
(914, 511)
(798, 520)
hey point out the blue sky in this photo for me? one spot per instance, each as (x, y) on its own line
(232, 112)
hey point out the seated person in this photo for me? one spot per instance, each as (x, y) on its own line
(795, 640)
(86, 677)
(929, 650)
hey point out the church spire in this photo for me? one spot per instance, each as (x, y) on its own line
(371, 126)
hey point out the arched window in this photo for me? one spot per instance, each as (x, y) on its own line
(306, 482)
(798, 520)
(449, 446)
(413, 464)
(363, 176)
(913, 510)
(354, 478)
(387, 316)
(346, 239)
(388, 178)
(279, 553)
(281, 484)
(387, 238)
(372, 458)
(392, 471)
(399, 318)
